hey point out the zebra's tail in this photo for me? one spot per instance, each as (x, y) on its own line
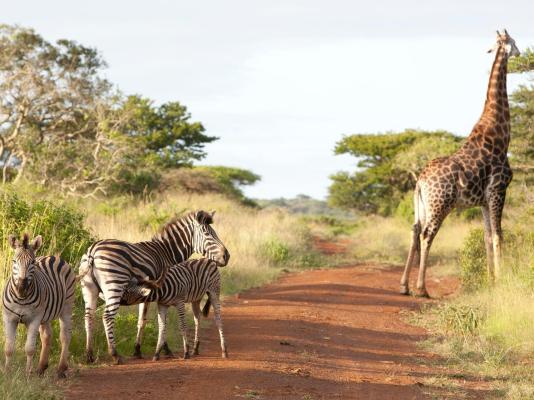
(86, 263)
(206, 309)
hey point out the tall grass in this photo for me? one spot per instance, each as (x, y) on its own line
(262, 244)
(488, 328)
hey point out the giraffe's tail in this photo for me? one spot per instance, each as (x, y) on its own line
(419, 223)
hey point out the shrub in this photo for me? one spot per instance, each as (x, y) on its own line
(473, 261)
(276, 251)
(61, 226)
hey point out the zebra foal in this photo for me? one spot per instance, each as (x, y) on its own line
(186, 282)
(39, 290)
(111, 266)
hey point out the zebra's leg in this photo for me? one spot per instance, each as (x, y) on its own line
(90, 297)
(31, 337)
(65, 334)
(141, 322)
(110, 311)
(180, 306)
(10, 332)
(45, 332)
(214, 297)
(196, 313)
(162, 327)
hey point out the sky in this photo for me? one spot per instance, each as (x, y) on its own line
(281, 81)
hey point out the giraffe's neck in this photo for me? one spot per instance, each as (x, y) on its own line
(496, 106)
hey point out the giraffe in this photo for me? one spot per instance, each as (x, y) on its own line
(476, 175)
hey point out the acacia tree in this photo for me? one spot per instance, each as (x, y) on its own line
(388, 165)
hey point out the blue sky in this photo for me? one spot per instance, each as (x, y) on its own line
(281, 81)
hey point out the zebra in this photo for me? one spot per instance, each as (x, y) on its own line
(186, 282)
(110, 266)
(39, 290)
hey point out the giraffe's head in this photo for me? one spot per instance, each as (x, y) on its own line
(506, 41)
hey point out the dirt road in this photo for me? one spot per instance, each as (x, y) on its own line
(325, 334)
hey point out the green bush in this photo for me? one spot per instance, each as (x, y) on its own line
(275, 251)
(473, 267)
(61, 226)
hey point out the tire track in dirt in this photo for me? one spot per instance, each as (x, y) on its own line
(323, 334)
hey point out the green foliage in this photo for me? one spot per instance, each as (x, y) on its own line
(473, 267)
(388, 165)
(165, 133)
(464, 320)
(276, 251)
(62, 227)
(523, 63)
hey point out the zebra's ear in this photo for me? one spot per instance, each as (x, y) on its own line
(13, 242)
(37, 242)
(25, 240)
(212, 213)
(203, 217)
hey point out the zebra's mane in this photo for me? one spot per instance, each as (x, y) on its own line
(202, 217)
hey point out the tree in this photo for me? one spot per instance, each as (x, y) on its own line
(388, 166)
(522, 116)
(46, 93)
(165, 133)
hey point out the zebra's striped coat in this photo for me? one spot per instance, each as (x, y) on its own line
(186, 282)
(110, 266)
(40, 290)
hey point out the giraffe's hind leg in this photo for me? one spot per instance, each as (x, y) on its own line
(413, 258)
(427, 237)
(489, 243)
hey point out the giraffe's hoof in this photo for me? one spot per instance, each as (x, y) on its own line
(404, 290)
(422, 293)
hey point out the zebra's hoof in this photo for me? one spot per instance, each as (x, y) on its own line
(118, 360)
(137, 352)
(404, 290)
(89, 358)
(167, 350)
(61, 375)
(225, 354)
(156, 357)
(195, 352)
(186, 355)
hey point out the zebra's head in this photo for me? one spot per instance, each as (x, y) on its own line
(205, 239)
(24, 261)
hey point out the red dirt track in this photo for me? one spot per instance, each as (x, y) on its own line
(325, 334)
